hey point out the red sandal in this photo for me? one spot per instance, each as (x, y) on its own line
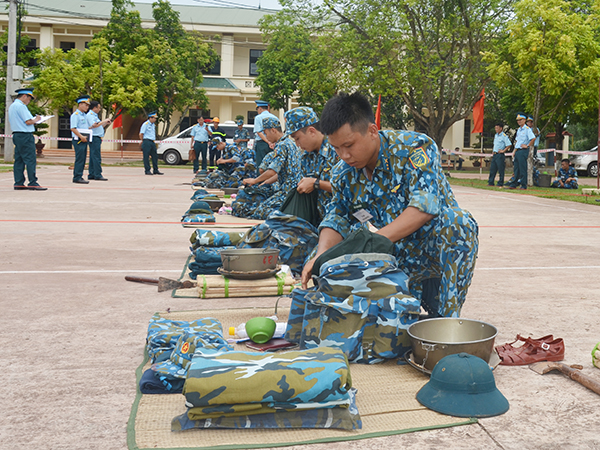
(510, 348)
(534, 351)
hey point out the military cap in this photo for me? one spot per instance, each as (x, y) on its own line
(261, 103)
(521, 116)
(530, 118)
(298, 118)
(83, 99)
(25, 91)
(153, 114)
(271, 122)
(240, 122)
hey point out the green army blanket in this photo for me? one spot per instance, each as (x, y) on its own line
(385, 400)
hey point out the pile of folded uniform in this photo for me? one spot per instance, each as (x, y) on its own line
(199, 212)
(206, 250)
(294, 389)
(170, 345)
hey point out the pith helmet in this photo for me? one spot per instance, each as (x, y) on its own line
(463, 385)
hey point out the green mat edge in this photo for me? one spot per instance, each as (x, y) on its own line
(185, 268)
(131, 445)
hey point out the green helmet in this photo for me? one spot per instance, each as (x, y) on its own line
(463, 385)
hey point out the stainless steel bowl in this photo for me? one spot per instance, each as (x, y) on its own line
(432, 339)
(249, 259)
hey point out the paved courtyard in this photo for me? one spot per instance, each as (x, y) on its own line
(73, 330)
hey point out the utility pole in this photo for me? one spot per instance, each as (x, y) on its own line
(14, 74)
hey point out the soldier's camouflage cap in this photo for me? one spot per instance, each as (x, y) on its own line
(271, 122)
(298, 118)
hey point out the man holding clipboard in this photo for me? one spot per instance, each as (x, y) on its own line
(22, 125)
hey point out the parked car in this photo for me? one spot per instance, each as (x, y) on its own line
(174, 152)
(586, 163)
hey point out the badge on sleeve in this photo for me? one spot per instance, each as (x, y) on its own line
(418, 158)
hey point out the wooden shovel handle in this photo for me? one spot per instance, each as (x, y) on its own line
(142, 280)
(576, 375)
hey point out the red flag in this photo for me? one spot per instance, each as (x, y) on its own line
(378, 114)
(118, 122)
(478, 114)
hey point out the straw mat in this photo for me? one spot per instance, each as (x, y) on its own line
(385, 399)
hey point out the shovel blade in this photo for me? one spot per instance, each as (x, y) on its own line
(543, 367)
(166, 284)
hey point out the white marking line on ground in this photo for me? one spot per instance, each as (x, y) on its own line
(12, 272)
(539, 268)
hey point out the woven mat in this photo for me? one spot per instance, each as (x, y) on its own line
(385, 399)
(194, 293)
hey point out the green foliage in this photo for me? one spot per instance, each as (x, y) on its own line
(427, 53)
(585, 136)
(130, 69)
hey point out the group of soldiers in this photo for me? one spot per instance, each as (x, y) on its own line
(87, 130)
(391, 180)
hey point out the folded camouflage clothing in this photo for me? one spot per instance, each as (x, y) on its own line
(294, 237)
(362, 305)
(150, 384)
(164, 334)
(206, 261)
(246, 383)
(215, 238)
(175, 368)
(199, 212)
(337, 417)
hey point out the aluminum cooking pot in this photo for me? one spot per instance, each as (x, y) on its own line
(432, 339)
(249, 259)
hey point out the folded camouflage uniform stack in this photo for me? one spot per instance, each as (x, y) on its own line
(199, 212)
(170, 345)
(206, 250)
(296, 389)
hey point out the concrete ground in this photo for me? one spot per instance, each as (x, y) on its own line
(73, 330)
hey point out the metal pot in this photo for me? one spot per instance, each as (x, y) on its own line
(432, 339)
(215, 205)
(229, 191)
(249, 259)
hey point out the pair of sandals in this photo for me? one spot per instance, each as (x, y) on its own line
(531, 351)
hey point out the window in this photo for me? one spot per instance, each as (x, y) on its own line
(254, 55)
(251, 116)
(66, 46)
(214, 70)
(467, 135)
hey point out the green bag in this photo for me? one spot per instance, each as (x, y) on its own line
(359, 241)
(305, 206)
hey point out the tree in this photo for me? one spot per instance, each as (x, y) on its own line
(551, 62)
(427, 53)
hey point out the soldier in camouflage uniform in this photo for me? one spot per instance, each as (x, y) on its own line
(318, 158)
(284, 169)
(567, 176)
(234, 166)
(394, 180)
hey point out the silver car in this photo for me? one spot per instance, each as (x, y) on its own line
(586, 163)
(174, 150)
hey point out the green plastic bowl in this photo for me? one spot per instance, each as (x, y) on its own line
(260, 329)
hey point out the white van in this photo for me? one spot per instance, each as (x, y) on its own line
(174, 150)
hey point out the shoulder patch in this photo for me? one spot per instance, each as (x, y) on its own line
(418, 158)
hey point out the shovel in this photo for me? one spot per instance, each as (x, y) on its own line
(164, 284)
(571, 371)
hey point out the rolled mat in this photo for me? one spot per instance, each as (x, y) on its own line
(218, 286)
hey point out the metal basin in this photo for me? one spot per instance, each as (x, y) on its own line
(229, 191)
(249, 259)
(432, 339)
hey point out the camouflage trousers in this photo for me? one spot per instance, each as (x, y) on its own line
(441, 264)
(248, 199)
